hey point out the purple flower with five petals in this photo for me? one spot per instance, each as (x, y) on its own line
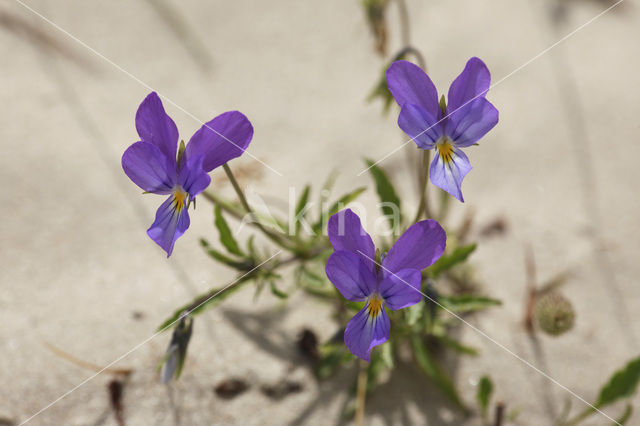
(154, 166)
(395, 283)
(468, 116)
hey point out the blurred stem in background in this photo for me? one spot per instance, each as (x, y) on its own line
(361, 392)
(423, 206)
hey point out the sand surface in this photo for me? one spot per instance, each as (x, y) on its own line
(76, 264)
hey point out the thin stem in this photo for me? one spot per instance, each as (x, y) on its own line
(254, 218)
(410, 50)
(236, 187)
(361, 393)
(499, 414)
(225, 205)
(405, 29)
(579, 418)
(423, 207)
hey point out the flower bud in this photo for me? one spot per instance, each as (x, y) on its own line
(173, 360)
(554, 314)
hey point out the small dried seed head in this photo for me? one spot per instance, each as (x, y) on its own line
(554, 314)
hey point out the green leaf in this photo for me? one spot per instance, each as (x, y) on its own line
(381, 361)
(622, 384)
(313, 278)
(301, 206)
(448, 261)
(381, 89)
(244, 265)
(467, 303)
(413, 313)
(278, 293)
(456, 345)
(251, 247)
(485, 389)
(209, 299)
(331, 356)
(386, 355)
(386, 193)
(346, 199)
(226, 237)
(432, 370)
(625, 416)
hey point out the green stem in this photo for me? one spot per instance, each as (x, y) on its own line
(424, 199)
(225, 205)
(579, 418)
(278, 239)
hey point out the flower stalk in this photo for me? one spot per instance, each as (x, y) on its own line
(278, 239)
(423, 206)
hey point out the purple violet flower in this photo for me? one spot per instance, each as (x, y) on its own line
(154, 166)
(396, 284)
(468, 116)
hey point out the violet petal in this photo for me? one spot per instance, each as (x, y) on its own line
(364, 332)
(409, 84)
(156, 127)
(149, 168)
(220, 140)
(351, 275)
(420, 245)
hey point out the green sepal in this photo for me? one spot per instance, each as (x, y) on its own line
(181, 149)
(443, 105)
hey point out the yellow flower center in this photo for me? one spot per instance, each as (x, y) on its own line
(445, 150)
(180, 198)
(374, 305)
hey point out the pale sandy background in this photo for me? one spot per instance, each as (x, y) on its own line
(75, 262)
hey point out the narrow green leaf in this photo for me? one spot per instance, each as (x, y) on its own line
(622, 420)
(467, 303)
(448, 261)
(456, 345)
(413, 313)
(245, 265)
(432, 370)
(386, 193)
(622, 384)
(278, 293)
(209, 299)
(301, 206)
(251, 247)
(346, 199)
(386, 355)
(485, 389)
(226, 237)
